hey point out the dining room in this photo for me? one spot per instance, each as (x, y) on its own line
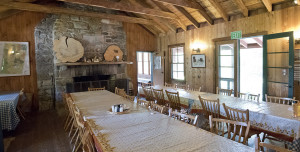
(149, 75)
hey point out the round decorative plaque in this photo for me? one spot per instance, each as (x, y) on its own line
(111, 52)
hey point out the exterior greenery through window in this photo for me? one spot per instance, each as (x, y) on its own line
(177, 64)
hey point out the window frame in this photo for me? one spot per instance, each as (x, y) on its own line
(171, 61)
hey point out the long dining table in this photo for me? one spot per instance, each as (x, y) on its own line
(264, 116)
(141, 129)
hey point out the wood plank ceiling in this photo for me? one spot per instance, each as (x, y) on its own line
(157, 16)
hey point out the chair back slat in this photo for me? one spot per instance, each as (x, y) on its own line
(130, 98)
(217, 126)
(253, 97)
(149, 94)
(96, 89)
(120, 92)
(269, 147)
(279, 100)
(225, 92)
(143, 103)
(159, 96)
(169, 85)
(146, 84)
(194, 89)
(190, 119)
(174, 100)
(159, 108)
(185, 87)
(242, 95)
(210, 107)
(236, 114)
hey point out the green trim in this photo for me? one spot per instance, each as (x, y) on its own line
(291, 61)
(278, 82)
(277, 52)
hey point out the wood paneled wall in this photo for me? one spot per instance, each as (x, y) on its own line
(137, 39)
(20, 28)
(275, 22)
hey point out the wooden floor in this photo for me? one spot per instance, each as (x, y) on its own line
(41, 132)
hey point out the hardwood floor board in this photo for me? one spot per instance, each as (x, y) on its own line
(41, 132)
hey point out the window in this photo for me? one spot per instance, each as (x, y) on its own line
(143, 59)
(177, 57)
(226, 66)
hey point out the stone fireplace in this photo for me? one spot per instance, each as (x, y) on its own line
(94, 34)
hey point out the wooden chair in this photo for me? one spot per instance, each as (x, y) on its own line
(210, 107)
(20, 100)
(159, 108)
(269, 147)
(120, 92)
(84, 138)
(67, 109)
(96, 89)
(185, 87)
(159, 96)
(146, 84)
(280, 100)
(221, 126)
(130, 98)
(253, 97)
(174, 100)
(242, 95)
(149, 94)
(225, 92)
(190, 119)
(143, 102)
(169, 85)
(194, 89)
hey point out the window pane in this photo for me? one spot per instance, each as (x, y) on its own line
(174, 51)
(146, 56)
(140, 57)
(226, 61)
(146, 67)
(180, 67)
(175, 59)
(181, 75)
(226, 49)
(231, 85)
(180, 50)
(181, 59)
(227, 72)
(174, 75)
(140, 67)
(175, 67)
(224, 84)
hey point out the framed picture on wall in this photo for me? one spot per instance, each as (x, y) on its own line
(198, 60)
(14, 59)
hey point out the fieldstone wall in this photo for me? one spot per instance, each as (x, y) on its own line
(94, 34)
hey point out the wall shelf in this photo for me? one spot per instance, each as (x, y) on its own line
(91, 63)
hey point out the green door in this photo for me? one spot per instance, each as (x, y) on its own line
(278, 64)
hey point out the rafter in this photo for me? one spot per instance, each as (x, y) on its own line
(190, 4)
(158, 21)
(219, 8)
(60, 10)
(242, 7)
(123, 7)
(150, 28)
(244, 43)
(268, 5)
(258, 41)
(8, 13)
(188, 16)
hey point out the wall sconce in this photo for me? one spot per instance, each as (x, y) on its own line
(197, 47)
(297, 36)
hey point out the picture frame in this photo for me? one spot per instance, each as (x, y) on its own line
(198, 61)
(14, 59)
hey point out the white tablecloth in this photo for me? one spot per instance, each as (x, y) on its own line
(141, 130)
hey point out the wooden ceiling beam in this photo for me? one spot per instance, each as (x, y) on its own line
(155, 6)
(190, 4)
(258, 41)
(268, 5)
(242, 7)
(188, 16)
(219, 8)
(123, 7)
(162, 26)
(8, 13)
(60, 10)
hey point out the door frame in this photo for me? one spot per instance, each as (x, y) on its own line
(217, 57)
(291, 61)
